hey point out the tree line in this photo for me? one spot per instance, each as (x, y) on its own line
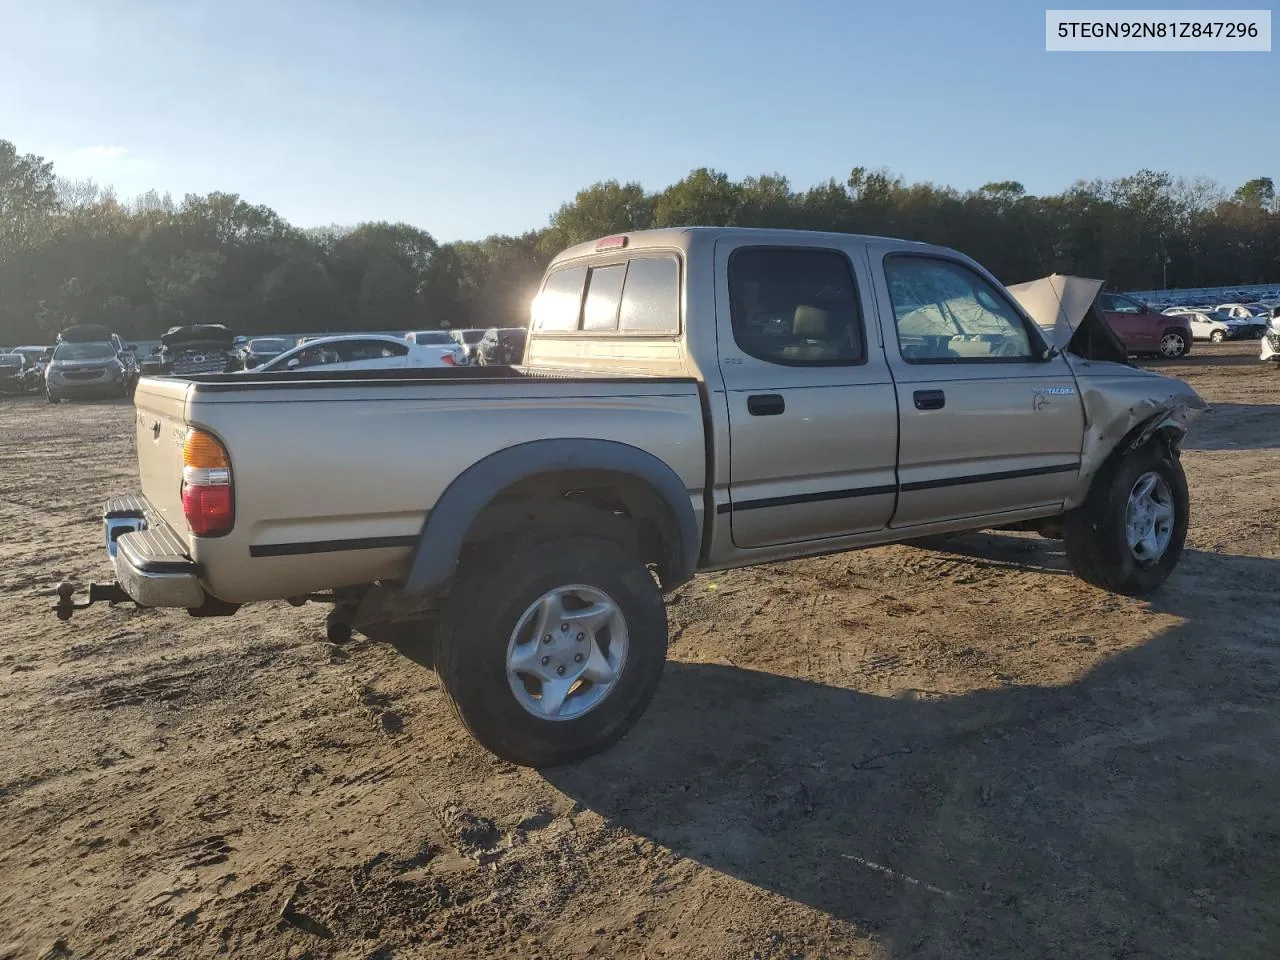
(73, 252)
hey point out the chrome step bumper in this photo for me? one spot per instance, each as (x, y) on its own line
(150, 560)
(151, 564)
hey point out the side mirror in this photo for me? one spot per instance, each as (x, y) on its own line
(293, 363)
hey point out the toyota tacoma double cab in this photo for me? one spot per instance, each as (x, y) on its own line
(690, 399)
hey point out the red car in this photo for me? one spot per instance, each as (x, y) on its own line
(1143, 330)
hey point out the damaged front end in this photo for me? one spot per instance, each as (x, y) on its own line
(1124, 406)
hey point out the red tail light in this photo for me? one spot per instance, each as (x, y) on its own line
(209, 510)
(208, 502)
(448, 360)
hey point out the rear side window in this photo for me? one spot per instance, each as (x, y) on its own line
(604, 291)
(795, 307)
(650, 297)
(559, 304)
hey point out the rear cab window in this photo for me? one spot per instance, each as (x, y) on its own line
(637, 296)
(796, 306)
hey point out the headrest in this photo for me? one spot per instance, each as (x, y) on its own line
(810, 322)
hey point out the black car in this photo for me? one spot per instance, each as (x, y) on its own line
(501, 345)
(261, 349)
(18, 374)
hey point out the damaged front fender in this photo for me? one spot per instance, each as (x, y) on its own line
(1124, 408)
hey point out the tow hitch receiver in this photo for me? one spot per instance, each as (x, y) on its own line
(112, 593)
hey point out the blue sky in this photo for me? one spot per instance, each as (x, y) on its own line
(481, 117)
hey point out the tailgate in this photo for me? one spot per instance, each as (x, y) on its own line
(160, 430)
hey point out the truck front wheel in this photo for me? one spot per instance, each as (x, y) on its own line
(550, 650)
(1128, 534)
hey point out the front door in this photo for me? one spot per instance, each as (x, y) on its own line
(812, 412)
(987, 426)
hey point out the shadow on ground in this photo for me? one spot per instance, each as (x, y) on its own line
(1236, 426)
(1130, 814)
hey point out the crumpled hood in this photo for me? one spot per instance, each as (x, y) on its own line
(205, 335)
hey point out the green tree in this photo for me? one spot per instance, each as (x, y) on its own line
(599, 210)
(28, 199)
(704, 198)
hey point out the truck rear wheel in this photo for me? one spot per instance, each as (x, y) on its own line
(1128, 534)
(550, 651)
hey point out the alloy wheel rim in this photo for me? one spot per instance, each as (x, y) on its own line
(1149, 518)
(567, 652)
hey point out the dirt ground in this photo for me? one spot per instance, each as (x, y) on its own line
(901, 752)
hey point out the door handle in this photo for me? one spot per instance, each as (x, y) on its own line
(929, 399)
(765, 404)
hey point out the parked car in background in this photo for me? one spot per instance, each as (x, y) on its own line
(1253, 314)
(467, 340)
(196, 348)
(259, 350)
(357, 352)
(1206, 326)
(1271, 339)
(1142, 330)
(38, 355)
(86, 369)
(18, 375)
(501, 345)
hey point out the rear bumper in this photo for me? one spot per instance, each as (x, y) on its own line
(150, 560)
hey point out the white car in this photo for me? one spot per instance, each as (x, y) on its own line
(1271, 339)
(360, 352)
(1205, 326)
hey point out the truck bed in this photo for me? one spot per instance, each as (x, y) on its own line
(335, 473)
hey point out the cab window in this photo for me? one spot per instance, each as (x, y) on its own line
(795, 306)
(947, 313)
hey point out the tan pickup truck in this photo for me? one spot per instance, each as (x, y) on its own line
(689, 400)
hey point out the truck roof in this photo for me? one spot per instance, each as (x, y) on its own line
(681, 237)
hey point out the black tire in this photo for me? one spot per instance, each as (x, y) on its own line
(492, 592)
(50, 398)
(1094, 533)
(1217, 336)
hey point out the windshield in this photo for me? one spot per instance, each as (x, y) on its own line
(469, 336)
(268, 346)
(1257, 309)
(84, 351)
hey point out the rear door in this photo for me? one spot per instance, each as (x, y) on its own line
(986, 426)
(1127, 319)
(812, 412)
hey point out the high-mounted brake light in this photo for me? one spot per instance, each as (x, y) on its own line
(207, 497)
(611, 243)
